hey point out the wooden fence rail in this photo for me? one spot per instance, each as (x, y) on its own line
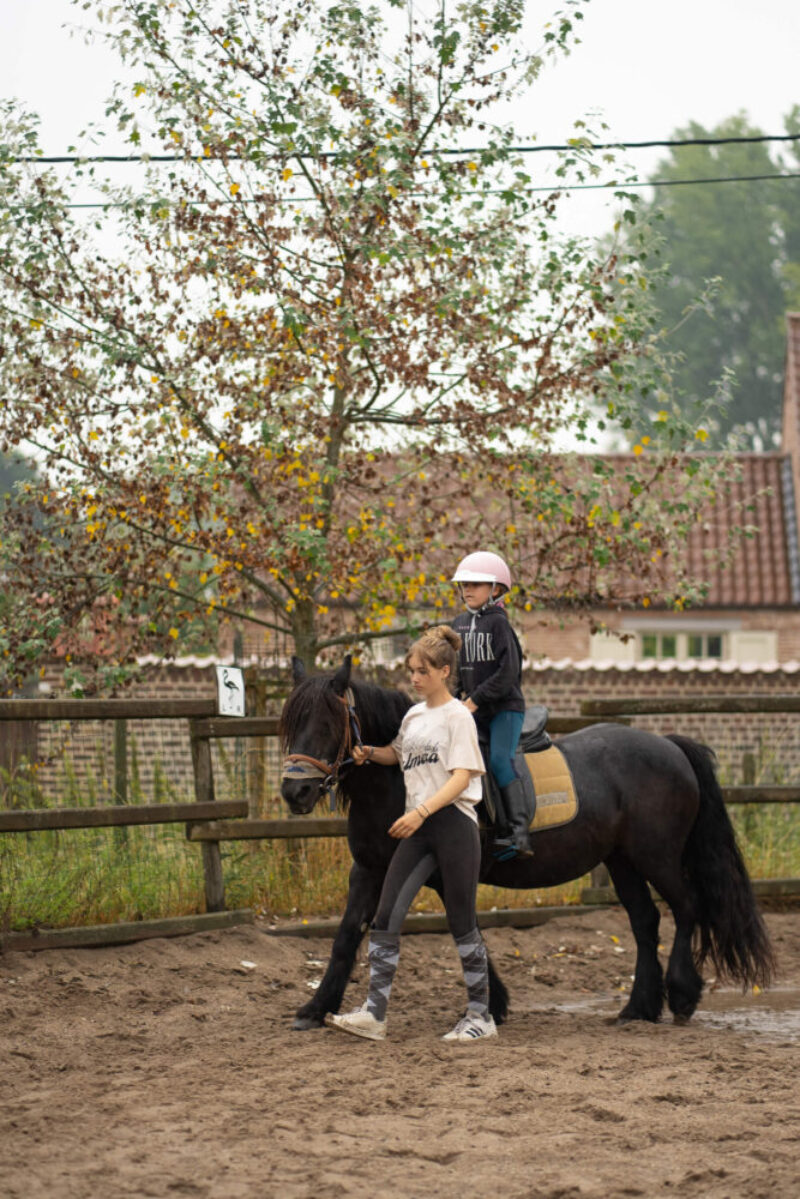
(672, 705)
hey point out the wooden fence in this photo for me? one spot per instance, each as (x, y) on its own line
(122, 813)
(209, 821)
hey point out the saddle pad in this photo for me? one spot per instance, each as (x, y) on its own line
(556, 798)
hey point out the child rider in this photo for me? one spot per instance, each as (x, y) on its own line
(490, 665)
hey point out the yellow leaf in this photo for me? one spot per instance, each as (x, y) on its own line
(286, 174)
(235, 189)
(174, 634)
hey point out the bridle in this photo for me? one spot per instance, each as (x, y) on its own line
(302, 766)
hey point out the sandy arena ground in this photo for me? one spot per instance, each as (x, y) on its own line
(169, 1068)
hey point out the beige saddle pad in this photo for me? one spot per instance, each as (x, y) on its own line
(556, 797)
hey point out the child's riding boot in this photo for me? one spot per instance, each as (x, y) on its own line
(515, 836)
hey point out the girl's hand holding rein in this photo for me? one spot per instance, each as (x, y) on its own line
(383, 755)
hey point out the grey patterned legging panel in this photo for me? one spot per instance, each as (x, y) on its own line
(448, 840)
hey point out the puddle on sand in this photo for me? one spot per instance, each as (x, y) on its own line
(774, 1014)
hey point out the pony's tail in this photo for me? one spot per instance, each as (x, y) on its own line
(730, 929)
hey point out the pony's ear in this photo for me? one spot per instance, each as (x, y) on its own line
(341, 680)
(298, 669)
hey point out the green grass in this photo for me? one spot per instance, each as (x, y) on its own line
(94, 876)
(98, 876)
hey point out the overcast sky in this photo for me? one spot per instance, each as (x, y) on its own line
(645, 66)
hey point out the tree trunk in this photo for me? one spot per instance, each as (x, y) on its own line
(304, 632)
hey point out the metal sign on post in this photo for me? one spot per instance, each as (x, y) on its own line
(230, 690)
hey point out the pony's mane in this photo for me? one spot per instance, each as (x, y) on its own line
(380, 710)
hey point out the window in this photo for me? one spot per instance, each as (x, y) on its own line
(701, 641)
(704, 645)
(659, 645)
(680, 645)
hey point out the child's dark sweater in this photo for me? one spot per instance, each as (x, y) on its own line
(490, 664)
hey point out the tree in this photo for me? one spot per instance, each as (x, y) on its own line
(327, 353)
(747, 237)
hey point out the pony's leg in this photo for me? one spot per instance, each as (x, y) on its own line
(362, 900)
(647, 993)
(684, 983)
(498, 993)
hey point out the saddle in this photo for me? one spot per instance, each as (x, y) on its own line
(546, 778)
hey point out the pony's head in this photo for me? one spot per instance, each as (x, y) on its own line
(314, 728)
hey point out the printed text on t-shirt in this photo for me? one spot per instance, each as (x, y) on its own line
(420, 754)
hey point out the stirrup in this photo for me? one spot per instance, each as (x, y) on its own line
(503, 849)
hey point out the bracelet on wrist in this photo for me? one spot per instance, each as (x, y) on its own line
(370, 752)
(421, 808)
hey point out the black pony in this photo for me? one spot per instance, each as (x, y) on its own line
(650, 809)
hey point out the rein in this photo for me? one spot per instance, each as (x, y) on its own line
(303, 766)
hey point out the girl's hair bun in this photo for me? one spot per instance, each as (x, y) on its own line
(442, 632)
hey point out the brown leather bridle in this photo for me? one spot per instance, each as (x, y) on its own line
(300, 766)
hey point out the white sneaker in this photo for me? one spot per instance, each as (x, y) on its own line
(361, 1023)
(472, 1027)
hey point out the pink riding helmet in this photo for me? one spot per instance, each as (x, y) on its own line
(483, 567)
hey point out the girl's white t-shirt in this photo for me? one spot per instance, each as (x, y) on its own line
(433, 742)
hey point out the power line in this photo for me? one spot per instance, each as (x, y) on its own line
(575, 144)
(496, 191)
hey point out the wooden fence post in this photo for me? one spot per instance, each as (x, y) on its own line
(256, 760)
(120, 761)
(204, 793)
(121, 773)
(600, 876)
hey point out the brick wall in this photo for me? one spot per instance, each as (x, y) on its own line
(76, 762)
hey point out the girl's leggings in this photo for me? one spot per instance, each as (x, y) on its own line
(448, 840)
(504, 734)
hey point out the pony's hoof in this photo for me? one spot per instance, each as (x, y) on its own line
(634, 1018)
(305, 1023)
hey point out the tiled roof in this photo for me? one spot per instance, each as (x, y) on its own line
(764, 570)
